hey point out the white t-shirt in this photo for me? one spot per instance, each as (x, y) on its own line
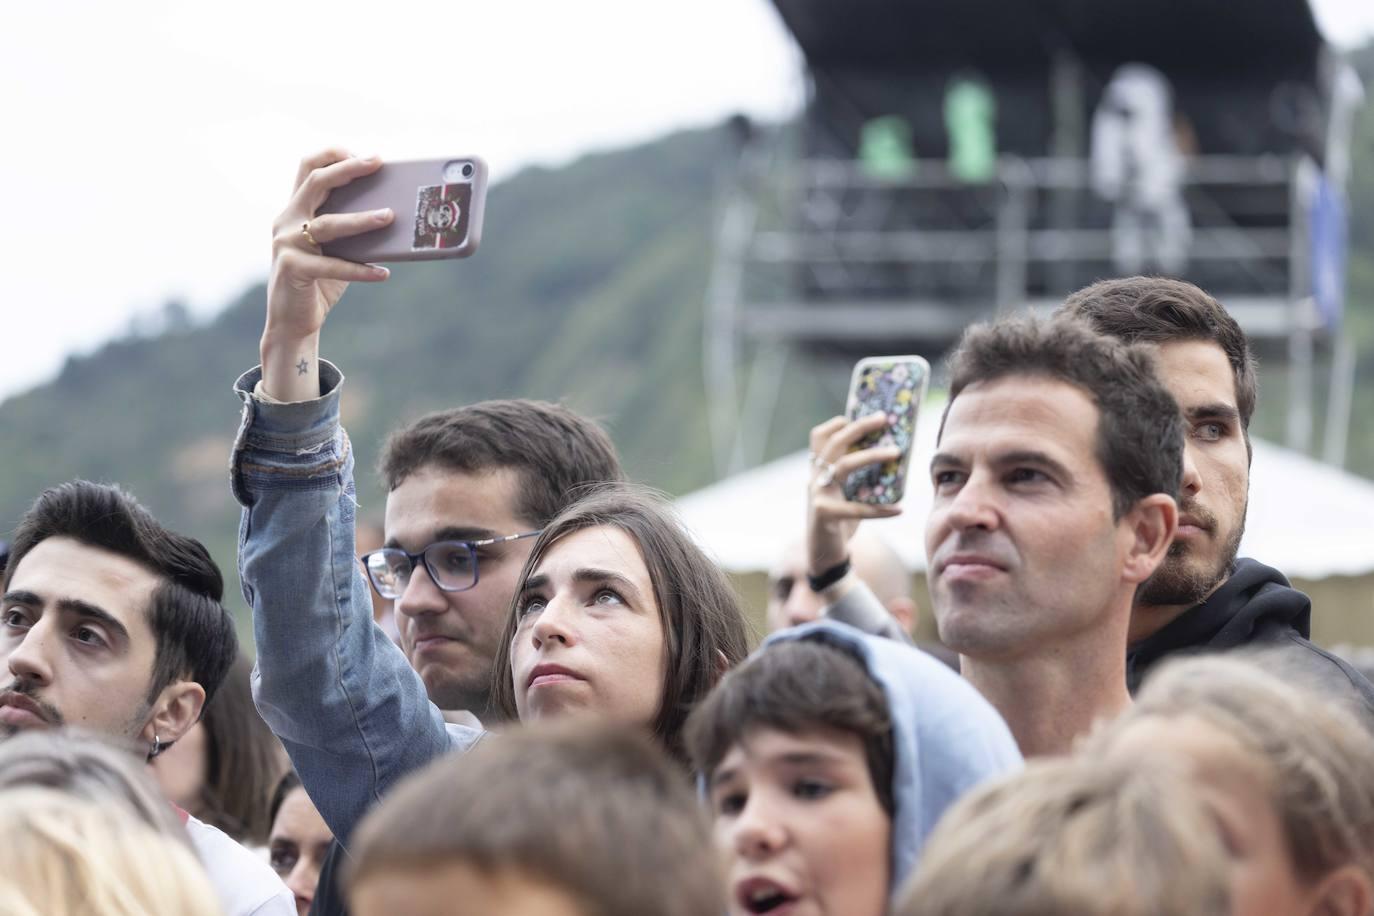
(247, 886)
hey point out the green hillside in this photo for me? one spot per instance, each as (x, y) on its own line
(588, 289)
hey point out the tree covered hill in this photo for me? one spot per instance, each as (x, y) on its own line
(587, 289)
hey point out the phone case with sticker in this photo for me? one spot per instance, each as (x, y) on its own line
(438, 205)
(892, 385)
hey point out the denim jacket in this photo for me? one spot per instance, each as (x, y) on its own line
(343, 699)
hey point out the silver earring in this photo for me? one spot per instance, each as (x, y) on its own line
(157, 746)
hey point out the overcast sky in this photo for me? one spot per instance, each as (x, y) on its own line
(149, 143)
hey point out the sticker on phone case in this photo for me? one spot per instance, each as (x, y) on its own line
(441, 216)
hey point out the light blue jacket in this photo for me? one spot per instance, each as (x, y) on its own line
(343, 699)
(946, 737)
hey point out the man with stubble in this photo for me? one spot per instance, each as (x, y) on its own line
(1203, 598)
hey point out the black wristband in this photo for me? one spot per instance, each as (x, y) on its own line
(829, 577)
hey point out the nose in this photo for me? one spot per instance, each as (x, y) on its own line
(973, 506)
(758, 833)
(30, 660)
(557, 622)
(1191, 483)
(302, 881)
(421, 596)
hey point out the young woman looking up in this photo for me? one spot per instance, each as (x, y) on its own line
(618, 615)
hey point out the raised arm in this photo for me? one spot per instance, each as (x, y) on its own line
(353, 715)
(832, 521)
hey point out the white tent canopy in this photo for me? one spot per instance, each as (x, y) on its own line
(1307, 519)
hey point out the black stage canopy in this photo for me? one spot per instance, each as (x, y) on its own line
(1246, 75)
(1223, 37)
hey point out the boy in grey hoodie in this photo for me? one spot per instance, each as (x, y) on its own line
(827, 758)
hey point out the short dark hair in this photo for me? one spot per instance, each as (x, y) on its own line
(796, 687)
(1139, 428)
(556, 451)
(593, 809)
(703, 626)
(243, 761)
(1160, 310)
(195, 634)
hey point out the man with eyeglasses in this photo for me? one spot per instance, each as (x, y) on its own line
(466, 491)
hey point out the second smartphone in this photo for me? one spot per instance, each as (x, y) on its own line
(895, 386)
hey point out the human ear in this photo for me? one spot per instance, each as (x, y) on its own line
(174, 711)
(722, 666)
(1347, 891)
(1152, 523)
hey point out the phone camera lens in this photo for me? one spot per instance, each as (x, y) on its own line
(467, 169)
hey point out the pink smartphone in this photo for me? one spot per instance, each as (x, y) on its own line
(895, 386)
(438, 205)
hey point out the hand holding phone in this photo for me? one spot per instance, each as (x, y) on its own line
(893, 386)
(438, 204)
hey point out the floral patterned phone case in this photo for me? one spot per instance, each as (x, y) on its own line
(893, 385)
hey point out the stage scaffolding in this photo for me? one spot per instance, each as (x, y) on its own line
(823, 250)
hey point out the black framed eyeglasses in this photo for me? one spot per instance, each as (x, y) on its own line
(452, 565)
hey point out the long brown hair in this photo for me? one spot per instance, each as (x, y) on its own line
(704, 629)
(243, 761)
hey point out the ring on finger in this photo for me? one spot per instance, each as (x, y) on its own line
(827, 473)
(305, 231)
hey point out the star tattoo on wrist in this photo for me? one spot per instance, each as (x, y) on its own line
(302, 367)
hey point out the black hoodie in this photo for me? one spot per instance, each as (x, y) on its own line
(1254, 607)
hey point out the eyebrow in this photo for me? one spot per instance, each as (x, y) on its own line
(1032, 456)
(74, 606)
(791, 759)
(586, 574)
(451, 533)
(946, 460)
(1217, 411)
(807, 758)
(1019, 456)
(723, 774)
(592, 575)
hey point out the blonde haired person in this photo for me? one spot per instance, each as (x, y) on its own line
(94, 768)
(1072, 836)
(67, 857)
(1286, 767)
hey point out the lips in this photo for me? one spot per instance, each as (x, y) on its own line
(432, 641)
(543, 675)
(960, 564)
(1194, 522)
(764, 895)
(17, 709)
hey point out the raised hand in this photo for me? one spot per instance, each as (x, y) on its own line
(304, 284)
(831, 520)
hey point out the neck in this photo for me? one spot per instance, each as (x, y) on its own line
(1149, 619)
(463, 717)
(1053, 697)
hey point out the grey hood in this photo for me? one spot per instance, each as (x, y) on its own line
(946, 737)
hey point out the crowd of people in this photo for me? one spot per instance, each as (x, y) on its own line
(534, 692)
